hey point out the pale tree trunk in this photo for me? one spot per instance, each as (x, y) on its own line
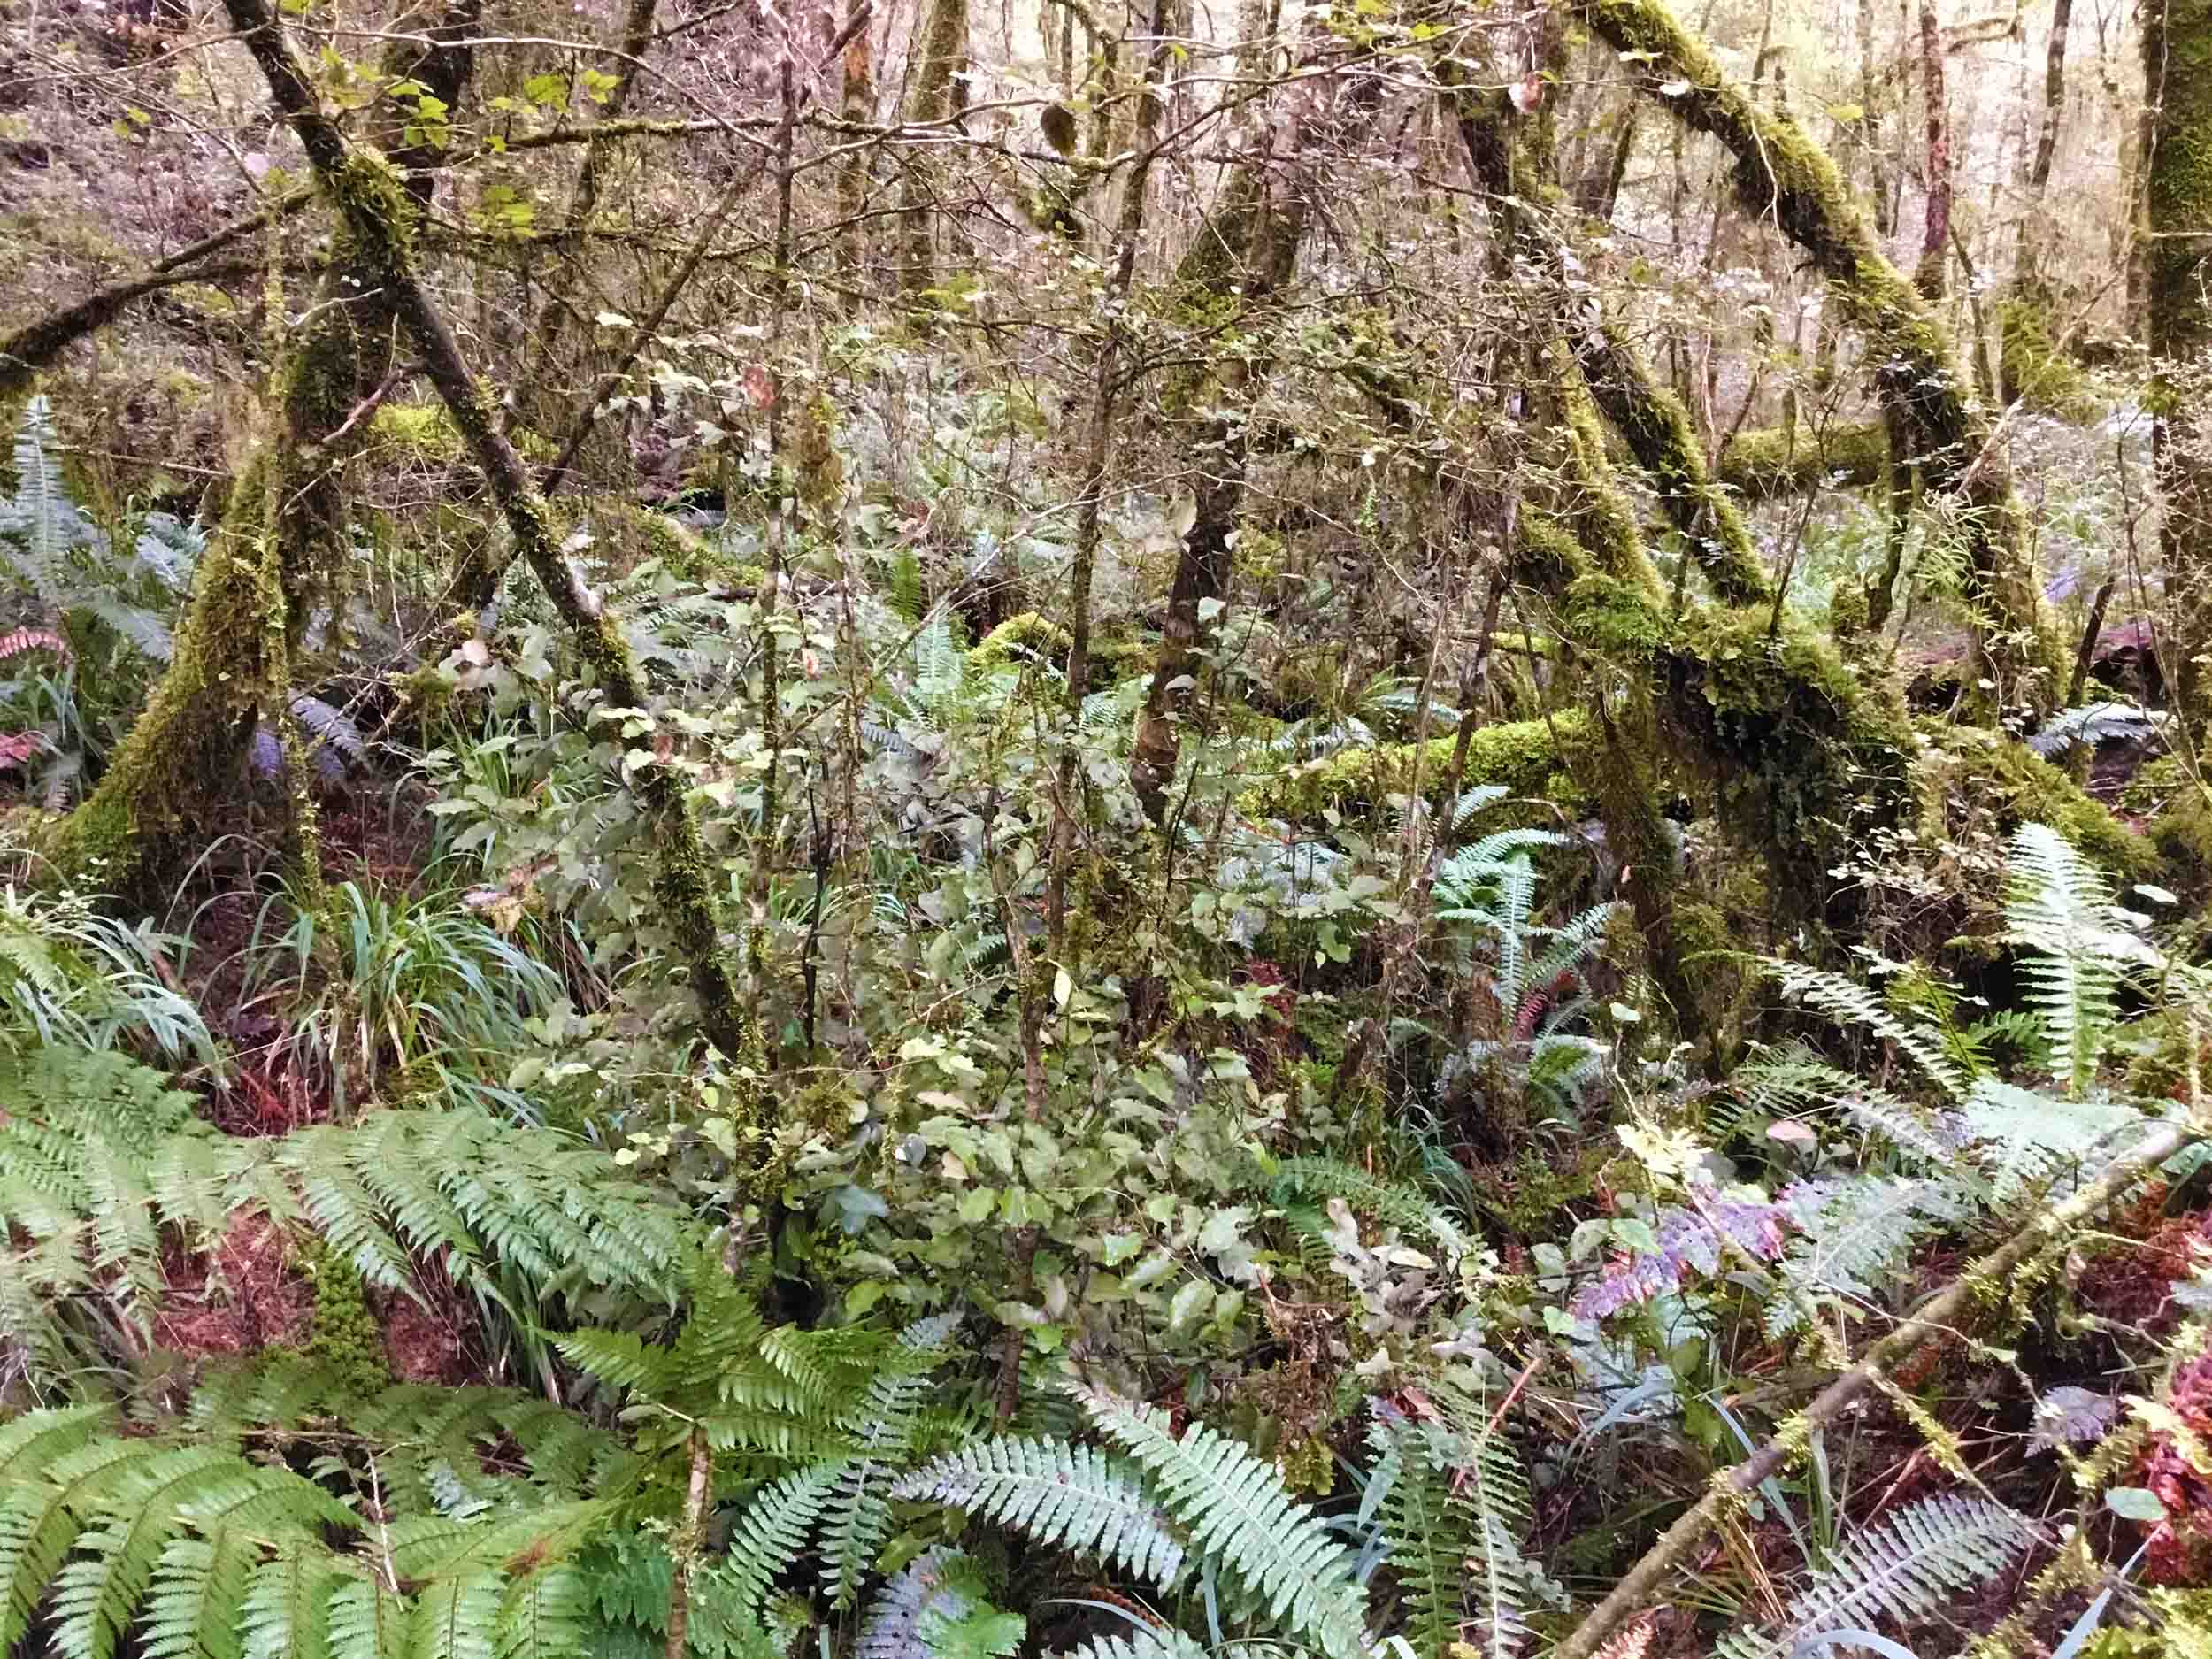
(174, 784)
(2177, 176)
(859, 108)
(940, 56)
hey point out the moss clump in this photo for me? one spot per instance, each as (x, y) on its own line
(345, 1343)
(1519, 755)
(1028, 636)
(1769, 461)
(2038, 373)
(1972, 766)
(1803, 757)
(421, 433)
(1021, 637)
(1615, 618)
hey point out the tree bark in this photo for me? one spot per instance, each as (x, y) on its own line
(2177, 162)
(378, 216)
(1245, 253)
(2030, 364)
(1935, 238)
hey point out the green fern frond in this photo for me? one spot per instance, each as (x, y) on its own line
(1933, 1551)
(2059, 909)
(1850, 1002)
(1143, 1641)
(1797, 1083)
(2019, 1137)
(1060, 1495)
(1432, 1537)
(1316, 1178)
(882, 1428)
(1238, 1512)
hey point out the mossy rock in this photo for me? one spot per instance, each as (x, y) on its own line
(1531, 759)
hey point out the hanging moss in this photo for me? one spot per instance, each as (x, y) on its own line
(1767, 462)
(422, 434)
(2038, 374)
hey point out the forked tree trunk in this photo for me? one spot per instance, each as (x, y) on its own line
(941, 55)
(378, 218)
(2030, 351)
(174, 783)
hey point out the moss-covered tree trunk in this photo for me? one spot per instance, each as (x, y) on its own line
(857, 102)
(941, 55)
(2177, 77)
(1245, 252)
(377, 217)
(1779, 175)
(174, 784)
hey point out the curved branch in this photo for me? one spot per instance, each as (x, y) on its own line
(1782, 175)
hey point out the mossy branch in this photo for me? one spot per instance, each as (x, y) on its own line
(378, 217)
(1940, 1316)
(1782, 175)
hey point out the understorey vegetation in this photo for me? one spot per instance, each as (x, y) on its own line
(929, 831)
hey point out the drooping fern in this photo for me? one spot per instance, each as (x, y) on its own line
(98, 1158)
(1313, 1178)
(1065, 1496)
(1243, 1519)
(2059, 909)
(1933, 1551)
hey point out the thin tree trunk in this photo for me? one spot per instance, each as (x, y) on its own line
(1106, 396)
(859, 107)
(941, 57)
(1935, 240)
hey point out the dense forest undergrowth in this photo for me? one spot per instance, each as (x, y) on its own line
(940, 832)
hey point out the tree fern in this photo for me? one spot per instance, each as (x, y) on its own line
(1239, 1513)
(1909, 1567)
(1060, 1495)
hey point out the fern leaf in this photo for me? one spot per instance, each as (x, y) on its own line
(1060, 1495)
(1852, 1003)
(1144, 1641)
(306, 1603)
(773, 1528)
(1933, 1551)
(1236, 1507)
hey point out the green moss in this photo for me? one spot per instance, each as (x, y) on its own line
(1619, 619)
(1969, 766)
(2038, 373)
(1021, 637)
(422, 433)
(345, 1341)
(1522, 756)
(1769, 461)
